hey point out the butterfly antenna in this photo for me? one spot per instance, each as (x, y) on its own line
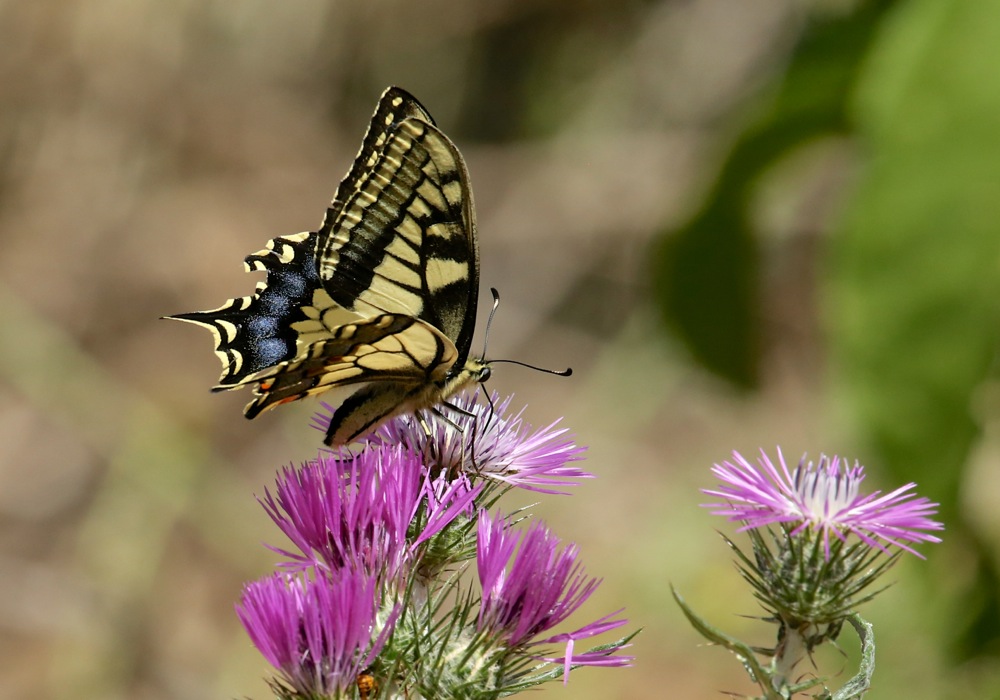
(489, 322)
(558, 372)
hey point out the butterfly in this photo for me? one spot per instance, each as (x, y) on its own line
(383, 296)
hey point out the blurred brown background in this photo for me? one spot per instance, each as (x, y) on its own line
(147, 147)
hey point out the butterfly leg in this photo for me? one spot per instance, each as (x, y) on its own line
(423, 423)
(457, 409)
(462, 430)
(459, 429)
(431, 444)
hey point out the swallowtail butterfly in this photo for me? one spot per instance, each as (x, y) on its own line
(382, 296)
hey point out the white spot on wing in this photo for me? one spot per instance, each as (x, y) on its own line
(236, 363)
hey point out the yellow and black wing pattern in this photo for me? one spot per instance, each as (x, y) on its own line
(383, 295)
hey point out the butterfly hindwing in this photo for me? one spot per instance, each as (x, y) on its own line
(391, 349)
(367, 408)
(255, 332)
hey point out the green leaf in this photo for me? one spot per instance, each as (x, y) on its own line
(914, 294)
(914, 289)
(706, 273)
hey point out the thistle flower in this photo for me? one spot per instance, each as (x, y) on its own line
(400, 516)
(807, 571)
(543, 586)
(367, 513)
(824, 497)
(498, 446)
(320, 634)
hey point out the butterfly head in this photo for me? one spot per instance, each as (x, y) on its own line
(480, 369)
(474, 371)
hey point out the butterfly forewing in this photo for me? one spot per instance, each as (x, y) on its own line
(405, 239)
(394, 106)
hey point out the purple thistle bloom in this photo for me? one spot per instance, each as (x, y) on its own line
(543, 587)
(824, 497)
(358, 513)
(320, 634)
(498, 446)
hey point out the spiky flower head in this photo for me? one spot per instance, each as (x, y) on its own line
(404, 513)
(530, 585)
(484, 439)
(825, 497)
(320, 633)
(818, 543)
(369, 512)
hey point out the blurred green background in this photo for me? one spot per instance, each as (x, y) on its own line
(743, 223)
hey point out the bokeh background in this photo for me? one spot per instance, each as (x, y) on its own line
(744, 223)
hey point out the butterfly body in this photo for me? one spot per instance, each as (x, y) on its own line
(382, 296)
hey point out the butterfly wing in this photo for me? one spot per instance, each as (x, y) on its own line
(405, 240)
(400, 361)
(255, 332)
(392, 349)
(383, 294)
(394, 106)
(290, 309)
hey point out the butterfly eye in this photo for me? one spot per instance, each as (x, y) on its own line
(484, 374)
